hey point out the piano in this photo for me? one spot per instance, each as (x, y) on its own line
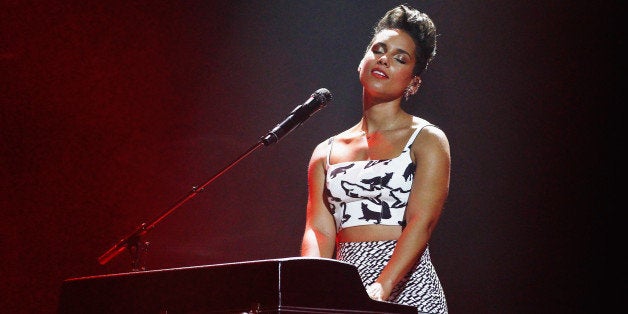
(285, 285)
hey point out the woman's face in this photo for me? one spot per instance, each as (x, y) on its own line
(386, 68)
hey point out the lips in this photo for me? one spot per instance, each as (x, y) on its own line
(379, 73)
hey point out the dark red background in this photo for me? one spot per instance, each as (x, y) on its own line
(112, 110)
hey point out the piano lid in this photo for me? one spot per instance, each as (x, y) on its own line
(286, 285)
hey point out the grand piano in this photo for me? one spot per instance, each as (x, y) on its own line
(286, 285)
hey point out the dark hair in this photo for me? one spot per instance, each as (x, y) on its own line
(419, 26)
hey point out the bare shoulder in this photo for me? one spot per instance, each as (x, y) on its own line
(431, 137)
(319, 154)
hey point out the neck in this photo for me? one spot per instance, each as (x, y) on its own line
(383, 117)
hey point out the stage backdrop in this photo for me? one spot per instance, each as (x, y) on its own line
(111, 111)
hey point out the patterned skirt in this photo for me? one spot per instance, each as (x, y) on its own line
(421, 287)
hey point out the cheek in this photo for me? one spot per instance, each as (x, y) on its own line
(406, 75)
(362, 66)
(363, 63)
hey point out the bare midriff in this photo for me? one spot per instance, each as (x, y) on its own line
(369, 233)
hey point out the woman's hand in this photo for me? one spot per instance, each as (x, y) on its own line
(375, 291)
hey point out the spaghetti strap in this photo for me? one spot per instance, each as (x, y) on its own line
(330, 143)
(416, 133)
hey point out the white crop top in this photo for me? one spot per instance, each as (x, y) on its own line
(367, 192)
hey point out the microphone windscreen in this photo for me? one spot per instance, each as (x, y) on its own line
(323, 96)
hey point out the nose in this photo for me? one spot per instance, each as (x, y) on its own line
(383, 60)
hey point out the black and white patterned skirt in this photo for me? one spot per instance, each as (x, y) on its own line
(421, 287)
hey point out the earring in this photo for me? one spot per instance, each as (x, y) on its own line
(412, 88)
(408, 92)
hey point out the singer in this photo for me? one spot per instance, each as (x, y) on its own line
(377, 189)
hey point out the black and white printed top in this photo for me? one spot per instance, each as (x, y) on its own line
(366, 192)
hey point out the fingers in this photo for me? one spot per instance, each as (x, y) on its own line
(375, 291)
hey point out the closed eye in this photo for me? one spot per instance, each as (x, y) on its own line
(402, 56)
(379, 48)
(400, 60)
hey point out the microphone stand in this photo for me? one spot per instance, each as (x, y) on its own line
(133, 241)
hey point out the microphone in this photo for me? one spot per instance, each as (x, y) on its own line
(316, 102)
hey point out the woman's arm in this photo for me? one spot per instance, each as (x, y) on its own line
(427, 198)
(319, 238)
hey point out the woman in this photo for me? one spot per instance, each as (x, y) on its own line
(377, 189)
